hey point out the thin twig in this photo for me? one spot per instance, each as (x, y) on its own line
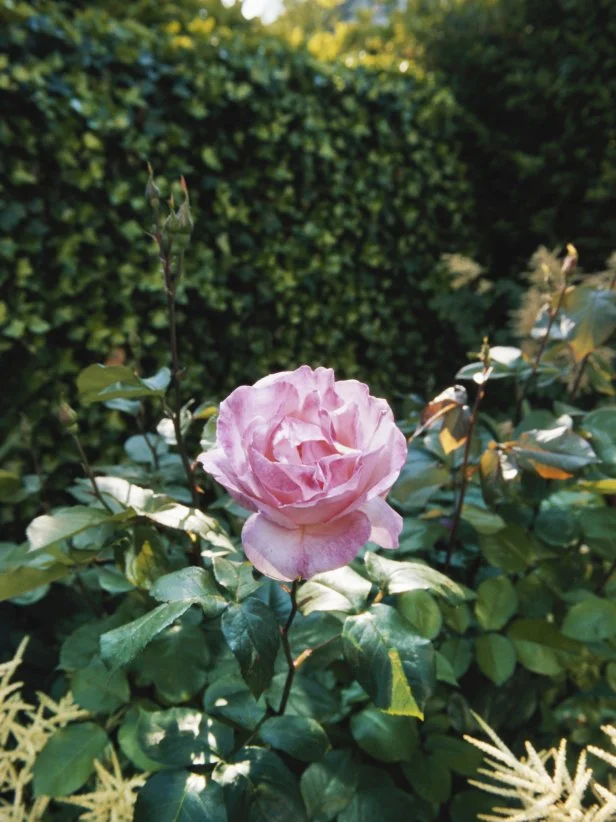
(540, 352)
(606, 578)
(90, 474)
(98, 613)
(467, 450)
(148, 442)
(284, 635)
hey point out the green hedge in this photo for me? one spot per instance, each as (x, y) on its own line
(323, 199)
(537, 81)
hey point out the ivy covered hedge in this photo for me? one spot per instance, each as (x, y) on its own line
(323, 201)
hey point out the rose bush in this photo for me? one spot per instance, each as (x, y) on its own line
(314, 458)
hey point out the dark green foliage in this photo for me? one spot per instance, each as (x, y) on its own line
(535, 80)
(323, 199)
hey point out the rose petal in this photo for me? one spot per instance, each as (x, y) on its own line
(291, 553)
(386, 523)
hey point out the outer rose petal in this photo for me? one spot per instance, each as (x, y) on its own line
(291, 553)
(386, 523)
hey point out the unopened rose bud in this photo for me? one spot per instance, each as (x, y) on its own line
(68, 417)
(152, 191)
(570, 260)
(179, 224)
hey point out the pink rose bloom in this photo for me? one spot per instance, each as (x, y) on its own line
(315, 459)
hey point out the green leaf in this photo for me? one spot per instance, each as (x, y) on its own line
(482, 520)
(540, 646)
(456, 754)
(251, 631)
(145, 560)
(230, 698)
(394, 666)
(395, 577)
(496, 657)
(555, 453)
(308, 697)
(275, 796)
(67, 760)
(162, 509)
(127, 739)
(420, 609)
(329, 786)
(100, 383)
(601, 426)
(444, 671)
(99, 690)
(592, 315)
(599, 529)
(21, 580)
(236, 577)
(142, 447)
(459, 652)
(510, 550)
(298, 736)
(342, 590)
(591, 620)
(121, 646)
(430, 779)
(175, 663)
(496, 603)
(466, 806)
(194, 585)
(180, 796)
(183, 737)
(67, 522)
(385, 737)
(556, 526)
(421, 477)
(377, 798)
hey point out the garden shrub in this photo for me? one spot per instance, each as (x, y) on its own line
(345, 696)
(324, 199)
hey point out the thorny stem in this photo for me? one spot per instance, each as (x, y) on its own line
(284, 635)
(90, 474)
(467, 450)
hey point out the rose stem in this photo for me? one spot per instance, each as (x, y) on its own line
(467, 450)
(171, 291)
(568, 265)
(284, 635)
(171, 284)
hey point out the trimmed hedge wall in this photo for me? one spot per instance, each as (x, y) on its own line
(323, 199)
